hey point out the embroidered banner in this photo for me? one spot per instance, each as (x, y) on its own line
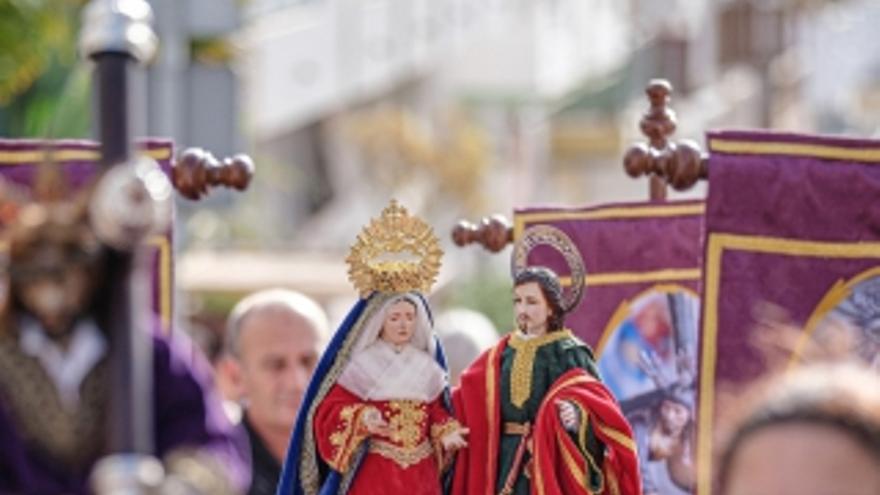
(640, 313)
(793, 221)
(78, 159)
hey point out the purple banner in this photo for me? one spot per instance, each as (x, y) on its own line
(78, 160)
(640, 313)
(793, 222)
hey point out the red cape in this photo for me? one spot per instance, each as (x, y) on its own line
(559, 467)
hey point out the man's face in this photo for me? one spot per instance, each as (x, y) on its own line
(531, 308)
(278, 352)
(399, 324)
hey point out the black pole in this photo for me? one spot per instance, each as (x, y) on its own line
(116, 36)
(129, 420)
(112, 77)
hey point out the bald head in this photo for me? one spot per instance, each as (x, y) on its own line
(300, 311)
(276, 338)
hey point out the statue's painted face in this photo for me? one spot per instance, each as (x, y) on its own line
(400, 323)
(54, 282)
(531, 308)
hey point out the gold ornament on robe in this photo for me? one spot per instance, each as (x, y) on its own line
(524, 363)
(396, 252)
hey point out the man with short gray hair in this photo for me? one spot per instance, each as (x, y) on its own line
(273, 341)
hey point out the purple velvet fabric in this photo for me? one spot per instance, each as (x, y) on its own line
(630, 238)
(784, 194)
(188, 413)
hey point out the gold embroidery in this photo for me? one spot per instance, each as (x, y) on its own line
(345, 439)
(406, 422)
(524, 363)
(403, 456)
(337, 439)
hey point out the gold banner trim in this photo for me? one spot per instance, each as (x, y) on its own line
(610, 213)
(825, 151)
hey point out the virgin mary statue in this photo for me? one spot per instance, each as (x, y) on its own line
(376, 417)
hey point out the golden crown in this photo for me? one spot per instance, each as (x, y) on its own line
(396, 252)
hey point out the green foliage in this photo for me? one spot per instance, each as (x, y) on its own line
(42, 93)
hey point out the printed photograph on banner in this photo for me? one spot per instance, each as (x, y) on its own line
(854, 318)
(647, 357)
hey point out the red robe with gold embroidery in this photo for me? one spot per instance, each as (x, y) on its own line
(558, 467)
(405, 462)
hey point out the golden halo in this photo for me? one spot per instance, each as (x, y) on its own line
(394, 253)
(548, 235)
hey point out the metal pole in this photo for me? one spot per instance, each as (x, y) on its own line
(114, 115)
(116, 35)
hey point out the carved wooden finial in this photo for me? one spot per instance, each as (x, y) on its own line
(660, 121)
(679, 164)
(197, 170)
(494, 233)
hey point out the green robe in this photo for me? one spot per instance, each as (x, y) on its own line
(554, 354)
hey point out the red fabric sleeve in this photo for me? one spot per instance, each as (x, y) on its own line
(338, 427)
(559, 465)
(441, 424)
(440, 420)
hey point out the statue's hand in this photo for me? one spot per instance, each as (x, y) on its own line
(373, 422)
(455, 440)
(569, 416)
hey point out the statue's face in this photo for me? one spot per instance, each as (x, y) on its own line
(531, 308)
(54, 285)
(400, 323)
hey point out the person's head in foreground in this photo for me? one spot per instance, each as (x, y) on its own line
(814, 431)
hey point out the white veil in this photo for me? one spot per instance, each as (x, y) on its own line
(376, 372)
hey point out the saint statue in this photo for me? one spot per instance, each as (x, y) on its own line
(376, 417)
(540, 419)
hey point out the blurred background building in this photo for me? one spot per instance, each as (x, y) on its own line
(457, 108)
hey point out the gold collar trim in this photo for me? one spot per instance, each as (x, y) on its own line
(524, 362)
